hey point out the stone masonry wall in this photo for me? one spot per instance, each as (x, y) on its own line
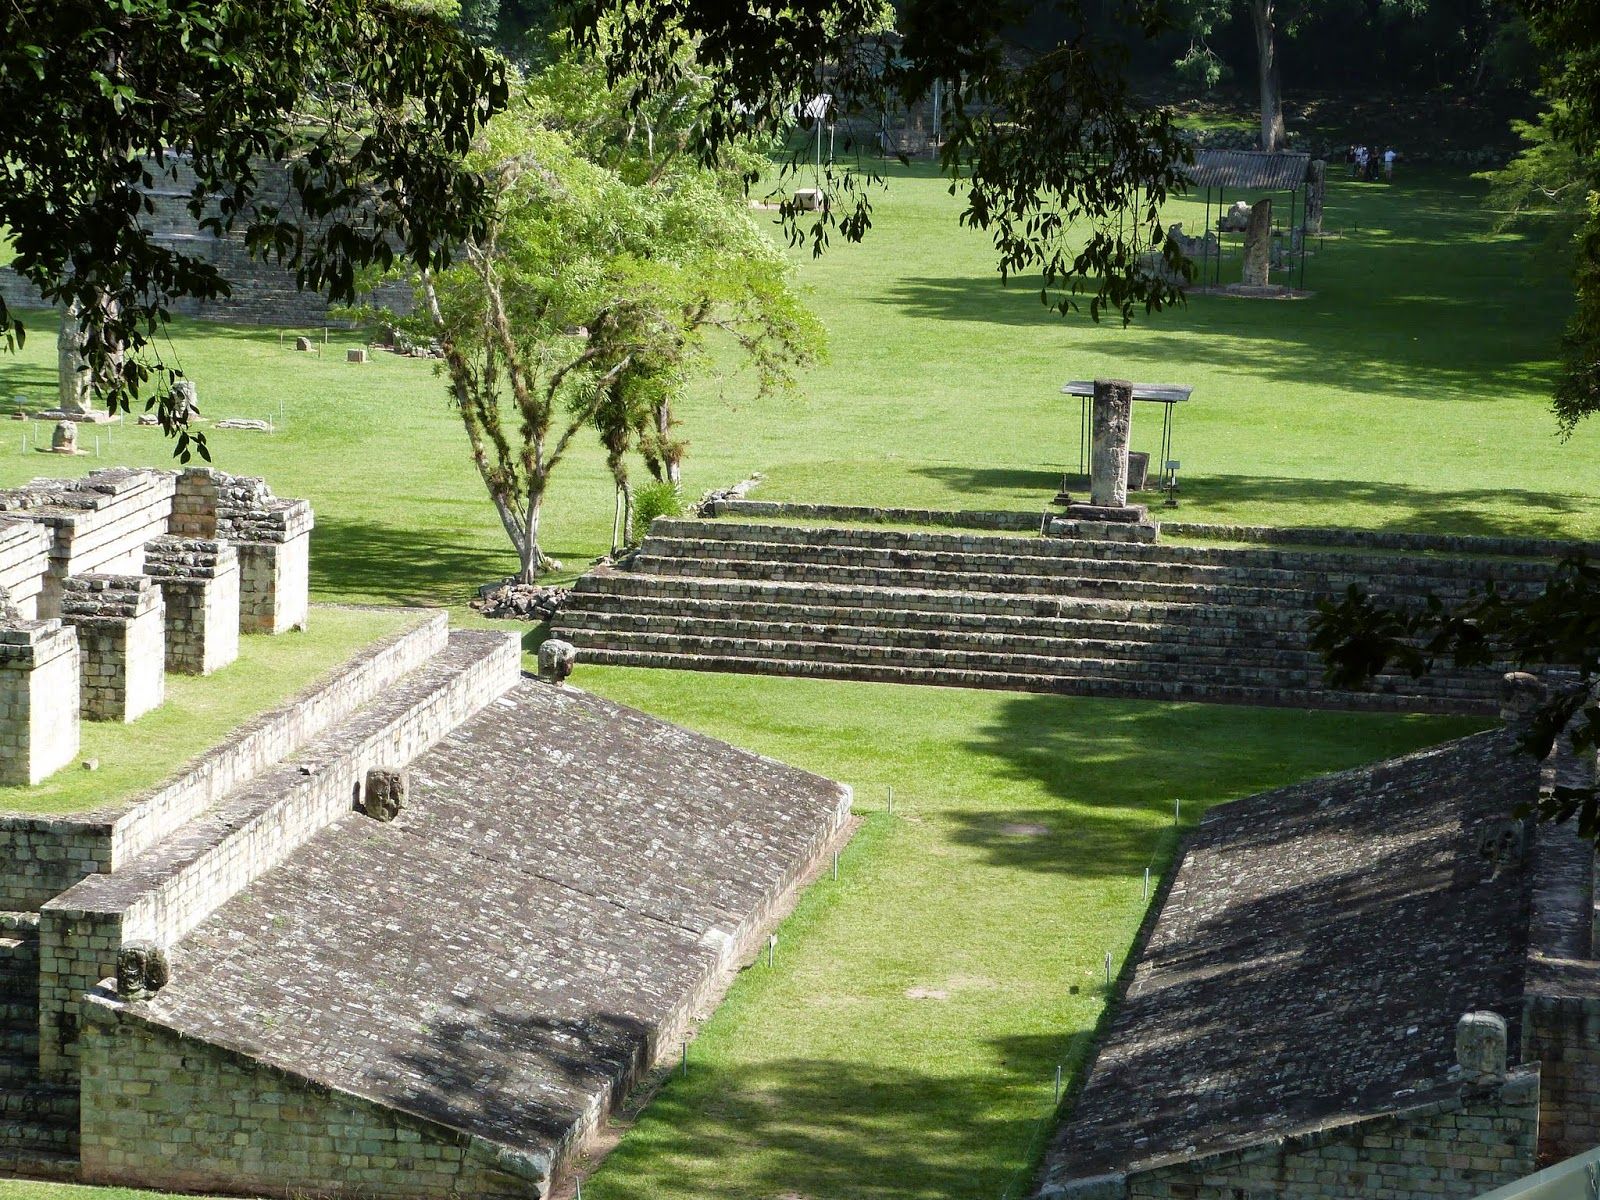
(166, 894)
(1457, 1147)
(199, 580)
(274, 585)
(120, 621)
(41, 857)
(250, 1129)
(38, 699)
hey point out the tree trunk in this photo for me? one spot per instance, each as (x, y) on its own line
(1272, 134)
(533, 559)
(671, 451)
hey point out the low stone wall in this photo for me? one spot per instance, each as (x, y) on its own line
(1461, 1145)
(24, 559)
(41, 857)
(174, 886)
(250, 1129)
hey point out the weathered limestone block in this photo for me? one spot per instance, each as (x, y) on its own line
(556, 659)
(199, 580)
(1258, 244)
(1111, 424)
(1481, 1046)
(38, 699)
(274, 585)
(121, 624)
(384, 793)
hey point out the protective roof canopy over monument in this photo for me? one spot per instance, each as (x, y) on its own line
(1250, 170)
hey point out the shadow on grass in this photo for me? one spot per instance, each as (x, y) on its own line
(1395, 506)
(398, 564)
(821, 1129)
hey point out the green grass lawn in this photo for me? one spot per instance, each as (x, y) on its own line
(202, 710)
(1012, 862)
(1409, 392)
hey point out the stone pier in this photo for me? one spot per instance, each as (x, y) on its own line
(38, 699)
(121, 624)
(199, 580)
(271, 535)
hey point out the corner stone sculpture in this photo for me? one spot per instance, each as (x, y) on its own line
(1481, 1046)
(556, 659)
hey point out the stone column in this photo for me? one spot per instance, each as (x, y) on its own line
(1111, 423)
(38, 699)
(121, 624)
(1258, 244)
(199, 579)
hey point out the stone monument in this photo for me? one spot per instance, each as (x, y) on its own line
(1111, 422)
(1258, 244)
(75, 380)
(1316, 192)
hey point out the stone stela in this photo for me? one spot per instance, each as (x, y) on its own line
(1111, 425)
(108, 580)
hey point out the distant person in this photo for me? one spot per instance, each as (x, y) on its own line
(1361, 162)
(1350, 159)
(1388, 164)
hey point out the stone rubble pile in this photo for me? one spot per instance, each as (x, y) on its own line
(520, 601)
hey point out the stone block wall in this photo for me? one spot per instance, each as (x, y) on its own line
(41, 857)
(121, 621)
(1457, 1146)
(38, 699)
(199, 580)
(272, 737)
(1562, 1033)
(98, 523)
(274, 585)
(247, 1128)
(24, 560)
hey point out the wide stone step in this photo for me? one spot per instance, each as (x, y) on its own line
(932, 603)
(18, 1071)
(1227, 574)
(1169, 690)
(1131, 673)
(1439, 567)
(1179, 646)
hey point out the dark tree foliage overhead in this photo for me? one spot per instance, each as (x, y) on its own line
(1061, 164)
(370, 103)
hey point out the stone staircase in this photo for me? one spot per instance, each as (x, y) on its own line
(38, 1121)
(1078, 616)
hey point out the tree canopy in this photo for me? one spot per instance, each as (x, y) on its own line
(370, 103)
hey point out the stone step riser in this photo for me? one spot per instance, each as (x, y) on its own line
(669, 588)
(1311, 582)
(1064, 685)
(1131, 671)
(584, 628)
(1017, 585)
(1435, 566)
(38, 1135)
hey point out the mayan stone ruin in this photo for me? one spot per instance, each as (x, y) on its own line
(411, 934)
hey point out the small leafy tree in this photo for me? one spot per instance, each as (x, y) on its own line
(589, 301)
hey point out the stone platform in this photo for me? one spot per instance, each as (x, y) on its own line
(1080, 612)
(473, 984)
